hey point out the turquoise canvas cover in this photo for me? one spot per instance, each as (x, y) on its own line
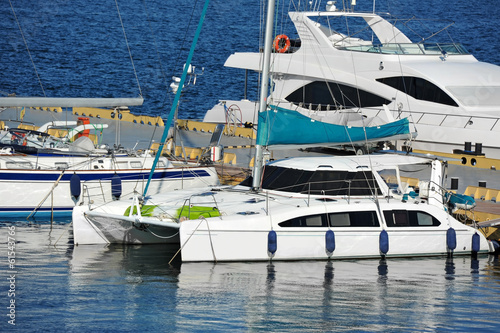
(279, 126)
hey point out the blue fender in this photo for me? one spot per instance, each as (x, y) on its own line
(330, 241)
(384, 242)
(272, 242)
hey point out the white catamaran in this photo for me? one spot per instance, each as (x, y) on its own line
(293, 209)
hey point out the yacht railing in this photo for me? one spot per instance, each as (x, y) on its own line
(467, 120)
(335, 188)
(408, 48)
(189, 205)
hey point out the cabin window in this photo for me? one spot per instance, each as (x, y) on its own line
(354, 219)
(404, 218)
(161, 164)
(320, 95)
(318, 220)
(419, 88)
(136, 164)
(19, 165)
(61, 165)
(347, 219)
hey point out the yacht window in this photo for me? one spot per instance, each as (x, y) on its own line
(403, 218)
(136, 164)
(419, 88)
(331, 96)
(61, 165)
(486, 95)
(19, 165)
(305, 221)
(424, 219)
(161, 164)
(354, 219)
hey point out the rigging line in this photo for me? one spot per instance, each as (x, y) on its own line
(162, 71)
(406, 92)
(178, 93)
(27, 48)
(181, 48)
(128, 48)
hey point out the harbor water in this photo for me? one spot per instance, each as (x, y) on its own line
(61, 287)
(49, 285)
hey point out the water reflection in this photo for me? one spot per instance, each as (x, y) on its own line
(449, 268)
(101, 285)
(335, 294)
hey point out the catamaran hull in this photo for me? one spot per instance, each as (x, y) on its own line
(233, 239)
(113, 229)
(252, 245)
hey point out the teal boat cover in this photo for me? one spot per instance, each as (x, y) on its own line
(279, 126)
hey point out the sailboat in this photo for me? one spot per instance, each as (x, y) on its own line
(299, 208)
(50, 175)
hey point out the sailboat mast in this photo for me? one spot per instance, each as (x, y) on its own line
(264, 89)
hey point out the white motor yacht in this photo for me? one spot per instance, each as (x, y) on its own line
(339, 61)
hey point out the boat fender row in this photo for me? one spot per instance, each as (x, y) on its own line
(451, 241)
(76, 188)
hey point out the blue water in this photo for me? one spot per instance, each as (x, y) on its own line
(60, 287)
(78, 49)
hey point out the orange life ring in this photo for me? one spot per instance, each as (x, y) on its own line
(281, 43)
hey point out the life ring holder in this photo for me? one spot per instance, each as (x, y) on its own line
(281, 43)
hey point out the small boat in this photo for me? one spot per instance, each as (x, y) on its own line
(53, 173)
(70, 137)
(50, 186)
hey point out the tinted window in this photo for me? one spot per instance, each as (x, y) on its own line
(348, 219)
(318, 182)
(403, 218)
(306, 221)
(332, 96)
(419, 88)
(354, 219)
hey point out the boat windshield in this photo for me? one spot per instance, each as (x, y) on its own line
(322, 182)
(386, 34)
(409, 48)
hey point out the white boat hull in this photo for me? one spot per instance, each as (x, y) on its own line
(232, 239)
(41, 196)
(333, 221)
(106, 229)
